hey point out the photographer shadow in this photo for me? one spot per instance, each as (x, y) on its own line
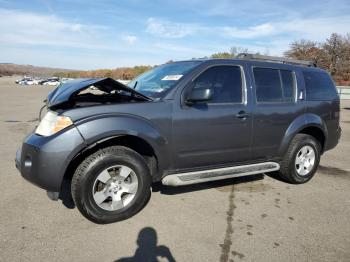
(147, 249)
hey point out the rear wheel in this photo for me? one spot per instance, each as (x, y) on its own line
(111, 185)
(301, 160)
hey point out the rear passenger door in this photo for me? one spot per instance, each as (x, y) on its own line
(276, 106)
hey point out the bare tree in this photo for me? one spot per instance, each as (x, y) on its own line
(301, 49)
(236, 50)
(332, 55)
(333, 48)
(222, 55)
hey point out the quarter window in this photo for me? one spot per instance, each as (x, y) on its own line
(225, 83)
(274, 85)
(319, 86)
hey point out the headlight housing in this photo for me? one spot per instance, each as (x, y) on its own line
(52, 123)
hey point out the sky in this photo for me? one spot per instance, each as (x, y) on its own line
(91, 34)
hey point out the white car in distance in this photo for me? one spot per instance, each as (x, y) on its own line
(52, 83)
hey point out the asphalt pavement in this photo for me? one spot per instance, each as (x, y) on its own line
(246, 219)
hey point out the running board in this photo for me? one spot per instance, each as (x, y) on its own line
(218, 174)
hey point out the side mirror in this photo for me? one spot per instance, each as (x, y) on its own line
(199, 95)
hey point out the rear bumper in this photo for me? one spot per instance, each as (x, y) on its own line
(44, 160)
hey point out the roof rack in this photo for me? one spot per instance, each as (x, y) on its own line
(275, 59)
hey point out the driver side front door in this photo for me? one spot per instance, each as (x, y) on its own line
(217, 132)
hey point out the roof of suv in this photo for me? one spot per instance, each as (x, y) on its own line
(262, 62)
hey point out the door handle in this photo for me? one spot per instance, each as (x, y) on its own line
(242, 115)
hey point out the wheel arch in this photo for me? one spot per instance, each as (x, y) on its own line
(310, 124)
(315, 132)
(135, 143)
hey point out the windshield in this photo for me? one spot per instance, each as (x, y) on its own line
(161, 79)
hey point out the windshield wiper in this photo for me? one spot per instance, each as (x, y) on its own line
(142, 96)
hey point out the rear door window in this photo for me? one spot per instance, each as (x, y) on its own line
(274, 85)
(288, 85)
(319, 86)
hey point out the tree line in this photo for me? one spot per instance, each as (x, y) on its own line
(126, 73)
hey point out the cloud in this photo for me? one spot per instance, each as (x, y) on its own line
(250, 32)
(76, 27)
(168, 29)
(290, 28)
(317, 29)
(183, 50)
(26, 28)
(130, 39)
(164, 28)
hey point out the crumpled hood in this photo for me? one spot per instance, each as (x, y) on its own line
(64, 92)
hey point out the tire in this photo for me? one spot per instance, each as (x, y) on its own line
(293, 172)
(104, 174)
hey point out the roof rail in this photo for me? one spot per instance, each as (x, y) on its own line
(275, 59)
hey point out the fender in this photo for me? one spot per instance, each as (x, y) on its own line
(104, 126)
(301, 122)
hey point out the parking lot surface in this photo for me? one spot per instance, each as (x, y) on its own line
(255, 219)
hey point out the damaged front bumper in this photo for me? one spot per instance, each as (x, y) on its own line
(43, 160)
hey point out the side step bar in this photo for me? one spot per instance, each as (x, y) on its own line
(218, 174)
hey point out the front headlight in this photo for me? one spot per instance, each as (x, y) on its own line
(52, 123)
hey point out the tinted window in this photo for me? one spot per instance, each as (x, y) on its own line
(319, 86)
(225, 83)
(268, 85)
(287, 85)
(274, 85)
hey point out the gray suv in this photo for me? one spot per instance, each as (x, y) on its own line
(103, 143)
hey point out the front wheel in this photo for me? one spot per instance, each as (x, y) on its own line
(111, 185)
(301, 160)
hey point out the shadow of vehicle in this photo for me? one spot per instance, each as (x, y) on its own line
(148, 250)
(168, 190)
(329, 170)
(276, 175)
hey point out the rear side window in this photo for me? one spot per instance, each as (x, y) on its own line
(319, 86)
(225, 83)
(274, 85)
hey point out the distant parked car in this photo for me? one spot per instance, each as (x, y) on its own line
(23, 80)
(41, 82)
(28, 82)
(44, 81)
(51, 82)
(36, 81)
(65, 80)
